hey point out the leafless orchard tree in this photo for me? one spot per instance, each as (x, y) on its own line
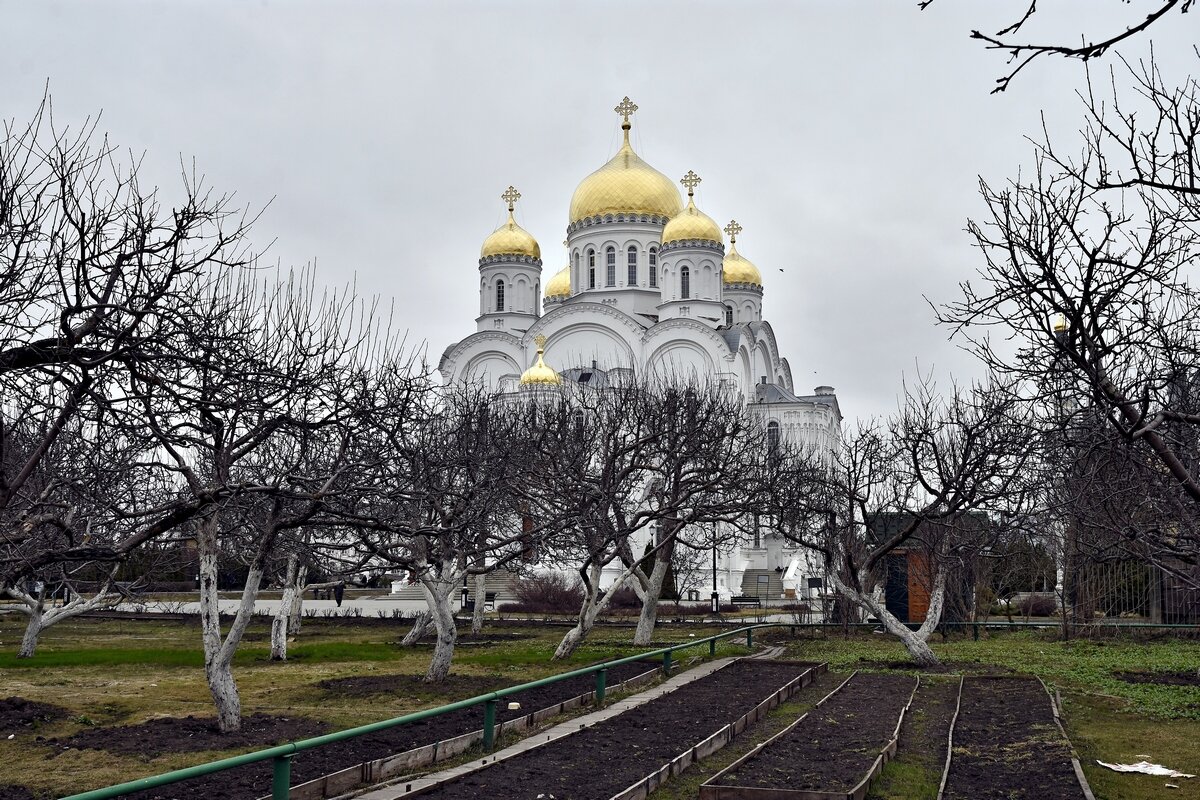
(95, 276)
(1023, 52)
(914, 479)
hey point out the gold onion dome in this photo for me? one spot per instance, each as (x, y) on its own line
(692, 223)
(559, 285)
(625, 185)
(540, 374)
(736, 269)
(510, 239)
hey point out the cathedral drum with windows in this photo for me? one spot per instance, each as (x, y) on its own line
(649, 290)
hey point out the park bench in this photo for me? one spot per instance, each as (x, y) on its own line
(746, 601)
(489, 602)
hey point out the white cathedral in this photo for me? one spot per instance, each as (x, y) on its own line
(650, 289)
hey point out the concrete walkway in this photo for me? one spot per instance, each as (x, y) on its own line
(404, 787)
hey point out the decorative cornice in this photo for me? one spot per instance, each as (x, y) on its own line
(507, 258)
(692, 244)
(753, 288)
(609, 219)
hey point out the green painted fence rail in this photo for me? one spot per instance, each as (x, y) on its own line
(282, 755)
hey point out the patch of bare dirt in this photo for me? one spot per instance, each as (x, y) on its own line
(190, 734)
(1190, 678)
(18, 714)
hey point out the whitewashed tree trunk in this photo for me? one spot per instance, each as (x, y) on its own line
(593, 606)
(438, 592)
(34, 606)
(480, 602)
(653, 591)
(218, 650)
(29, 641)
(420, 625)
(915, 642)
(293, 587)
(296, 612)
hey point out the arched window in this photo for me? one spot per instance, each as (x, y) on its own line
(729, 315)
(685, 283)
(499, 295)
(579, 424)
(610, 259)
(576, 277)
(591, 268)
(632, 254)
(772, 436)
(653, 266)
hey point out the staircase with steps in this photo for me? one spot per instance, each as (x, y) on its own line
(769, 591)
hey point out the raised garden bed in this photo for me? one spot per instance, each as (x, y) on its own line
(830, 753)
(354, 761)
(628, 755)
(1007, 744)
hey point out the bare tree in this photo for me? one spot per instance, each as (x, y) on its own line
(914, 480)
(1021, 53)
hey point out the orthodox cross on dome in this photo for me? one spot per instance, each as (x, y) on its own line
(691, 181)
(510, 196)
(625, 108)
(540, 341)
(733, 229)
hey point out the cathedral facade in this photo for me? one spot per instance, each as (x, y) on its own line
(651, 289)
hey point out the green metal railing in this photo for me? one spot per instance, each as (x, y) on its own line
(282, 755)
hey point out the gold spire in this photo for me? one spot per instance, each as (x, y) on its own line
(736, 269)
(540, 374)
(691, 224)
(510, 238)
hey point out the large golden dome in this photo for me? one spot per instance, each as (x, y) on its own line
(625, 185)
(692, 223)
(540, 374)
(510, 239)
(559, 285)
(736, 269)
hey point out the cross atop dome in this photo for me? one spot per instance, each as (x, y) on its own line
(691, 181)
(511, 196)
(625, 108)
(733, 229)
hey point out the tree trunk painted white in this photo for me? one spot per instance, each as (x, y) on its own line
(296, 612)
(420, 625)
(218, 650)
(281, 623)
(29, 641)
(480, 602)
(653, 591)
(438, 593)
(34, 606)
(915, 642)
(593, 606)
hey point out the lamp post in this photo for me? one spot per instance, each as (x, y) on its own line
(716, 598)
(463, 601)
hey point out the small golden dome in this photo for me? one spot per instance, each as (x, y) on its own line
(625, 185)
(540, 374)
(559, 285)
(692, 223)
(510, 239)
(1060, 323)
(737, 269)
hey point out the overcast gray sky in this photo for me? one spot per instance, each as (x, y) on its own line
(846, 137)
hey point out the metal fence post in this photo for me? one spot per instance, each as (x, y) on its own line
(750, 637)
(489, 725)
(601, 680)
(712, 647)
(281, 778)
(667, 664)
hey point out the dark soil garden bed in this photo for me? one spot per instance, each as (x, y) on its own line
(8, 792)
(598, 762)
(190, 734)
(924, 737)
(412, 685)
(254, 780)
(832, 748)
(1008, 746)
(18, 715)
(1189, 678)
